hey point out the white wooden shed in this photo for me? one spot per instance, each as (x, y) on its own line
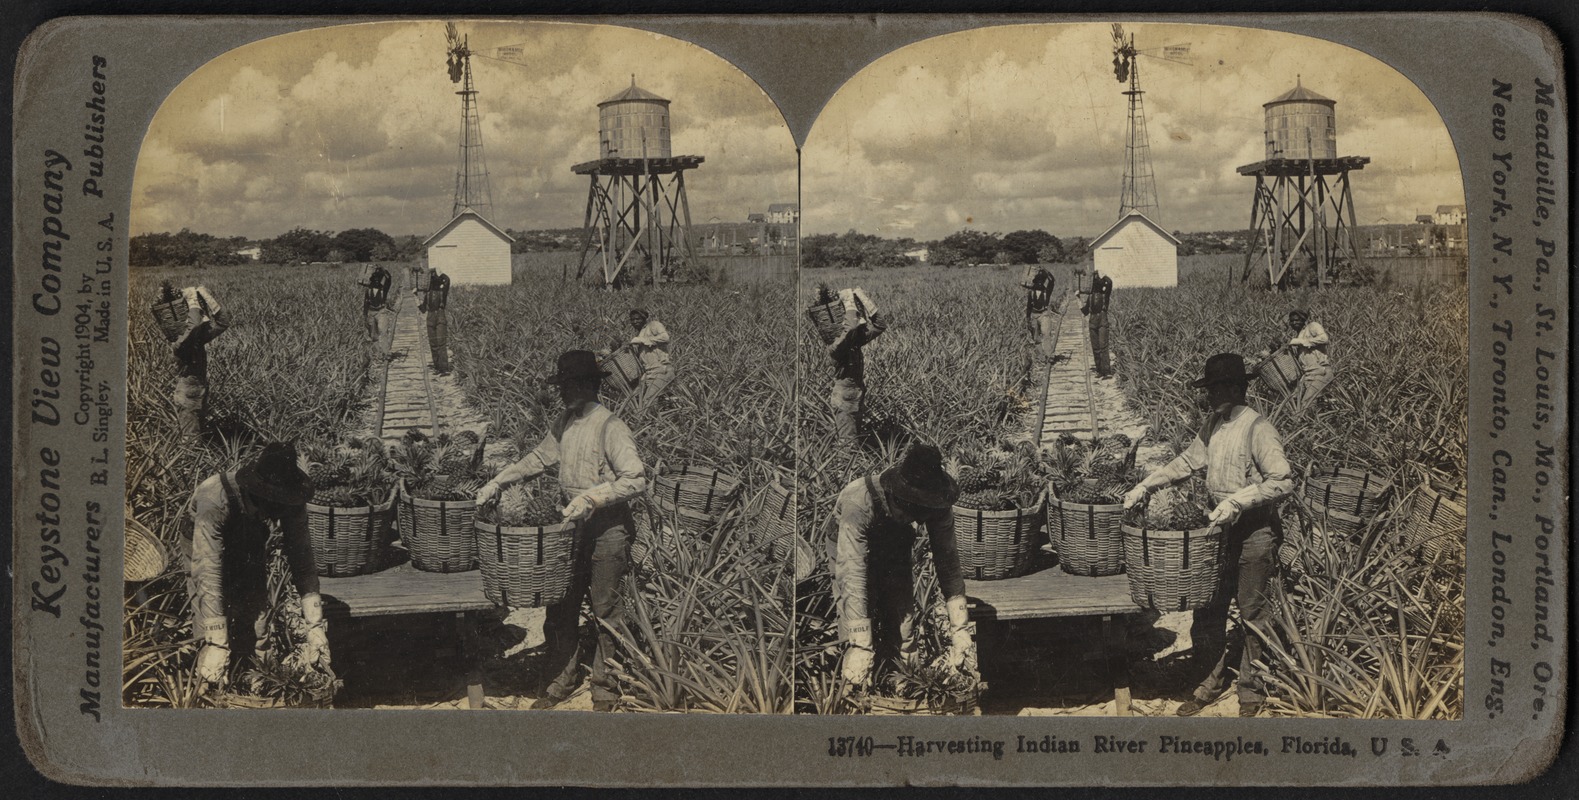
(471, 250)
(1137, 252)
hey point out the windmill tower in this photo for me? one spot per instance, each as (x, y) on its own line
(1139, 192)
(472, 191)
(637, 217)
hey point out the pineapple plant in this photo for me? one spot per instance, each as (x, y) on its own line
(1015, 483)
(442, 467)
(532, 504)
(348, 474)
(1094, 473)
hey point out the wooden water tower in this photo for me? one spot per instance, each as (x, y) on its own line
(1302, 207)
(638, 217)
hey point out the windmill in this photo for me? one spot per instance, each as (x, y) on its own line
(1139, 192)
(472, 191)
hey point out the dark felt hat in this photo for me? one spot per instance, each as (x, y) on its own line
(920, 480)
(577, 365)
(1224, 368)
(275, 476)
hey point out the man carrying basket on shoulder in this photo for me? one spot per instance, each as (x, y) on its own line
(600, 472)
(1247, 474)
(206, 319)
(862, 324)
(872, 570)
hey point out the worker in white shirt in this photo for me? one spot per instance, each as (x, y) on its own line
(600, 472)
(650, 345)
(1309, 346)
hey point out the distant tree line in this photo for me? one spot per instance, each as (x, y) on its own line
(965, 248)
(306, 246)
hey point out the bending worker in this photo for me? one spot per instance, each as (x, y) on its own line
(205, 321)
(228, 560)
(848, 397)
(1095, 308)
(872, 569)
(651, 347)
(600, 472)
(1309, 345)
(1247, 474)
(435, 297)
(1040, 319)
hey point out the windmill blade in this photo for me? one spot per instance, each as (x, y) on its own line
(451, 35)
(1118, 35)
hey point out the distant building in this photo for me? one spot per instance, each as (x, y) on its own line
(783, 213)
(756, 217)
(1423, 219)
(1137, 252)
(471, 250)
(1449, 215)
(251, 252)
(920, 255)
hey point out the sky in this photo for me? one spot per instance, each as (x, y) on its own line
(1023, 127)
(359, 126)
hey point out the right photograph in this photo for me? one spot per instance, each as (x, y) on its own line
(1133, 377)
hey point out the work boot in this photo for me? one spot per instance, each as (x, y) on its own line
(547, 701)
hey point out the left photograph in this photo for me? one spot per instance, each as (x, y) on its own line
(457, 377)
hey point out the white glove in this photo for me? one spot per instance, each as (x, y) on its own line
(1136, 495)
(211, 663)
(1226, 513)
(488, 493)
(858, 656)
(579, 509)
(962, 643)
(316, 651)
(961, 651)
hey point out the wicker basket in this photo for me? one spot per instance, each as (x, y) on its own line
(1350, 491)
(828, 319)
(1436, 523)
(350, 541)
(1089, 539)
(776, 523)
(146, 556)
(624, 370)
(696, 495)
(438, 533)
(525, 567)
(1280, 372)
(171, 317)
(994, 545)
(1173, 570)
(957, 706)
(1337, 524)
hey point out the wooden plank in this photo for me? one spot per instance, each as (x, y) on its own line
(403, 590)
(1049, 593)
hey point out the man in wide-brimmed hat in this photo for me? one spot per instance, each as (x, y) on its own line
(599, 472)
(228, 560)
(651, 347)
(1247, 474)
(873, 574)
(848, 398)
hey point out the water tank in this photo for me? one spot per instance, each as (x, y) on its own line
(633, 124)
(1301, 124)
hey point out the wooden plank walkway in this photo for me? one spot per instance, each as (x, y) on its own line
(1049, 593)
(403, 590)
(1068, 405)
(406, 400)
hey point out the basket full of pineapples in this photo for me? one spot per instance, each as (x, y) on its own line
(1085, 509)
(1000, 514)
(524, 546)
(1173, 553)
(439, 479)
(351, 516)
(826, 314)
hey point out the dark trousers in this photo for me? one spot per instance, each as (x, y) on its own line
(438, 339)
(1099, 351)
(891, 601)
(602, 557)
(1251, 557)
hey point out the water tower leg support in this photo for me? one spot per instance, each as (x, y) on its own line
(587, 228)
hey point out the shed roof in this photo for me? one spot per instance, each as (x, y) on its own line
(1299, 94)
(633, 93)
(466, 212)
(1135, 216)
(1448, 209)
(776, 207)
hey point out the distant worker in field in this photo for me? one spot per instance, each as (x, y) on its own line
(228, 561)
(1095, 309)
(206, 319)
(1309, 345)
(1247, 474)
(375, 298)
(600, 473)
(1040, 318)
(873, 572)
(848, 398)
(650, 345)
(435, 294)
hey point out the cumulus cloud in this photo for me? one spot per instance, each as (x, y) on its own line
(359, 126)
(1023, 127)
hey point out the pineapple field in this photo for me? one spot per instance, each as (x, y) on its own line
(708, 604)
(1368, 619)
